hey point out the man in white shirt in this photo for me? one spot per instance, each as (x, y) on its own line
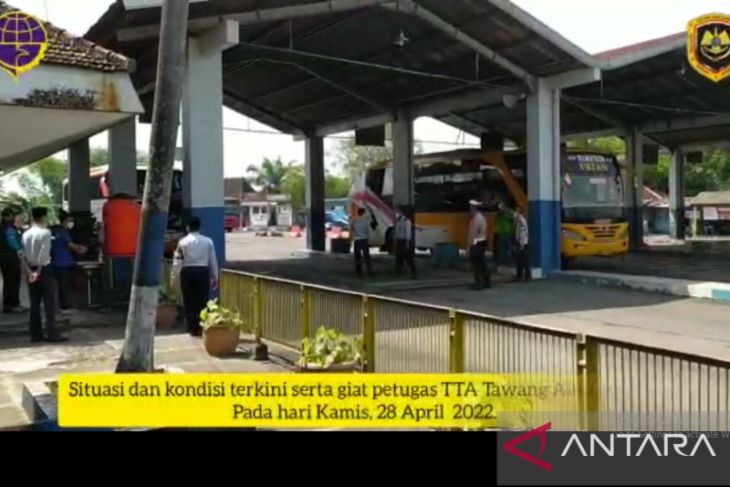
(361, 237)
(404, 242)
(41, 280)
(197, 265)
(478, 247)
(522, 245)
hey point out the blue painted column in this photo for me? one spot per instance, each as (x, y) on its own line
(543, 178)
(203, 140)
(634, 188)
(676, 195)
(403, 172)
(315, 193)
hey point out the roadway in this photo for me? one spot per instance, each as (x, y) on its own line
(680, 324)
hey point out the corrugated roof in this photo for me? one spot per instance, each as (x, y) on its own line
(641, 46)
(712, 198)
(65, 49)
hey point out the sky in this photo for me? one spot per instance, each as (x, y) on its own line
(594, 25)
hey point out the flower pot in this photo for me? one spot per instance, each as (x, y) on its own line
(221, 341)
(343, 368)
(166, 316)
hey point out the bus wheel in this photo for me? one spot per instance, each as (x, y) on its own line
(565, 262)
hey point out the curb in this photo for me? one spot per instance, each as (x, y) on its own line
(714, 291)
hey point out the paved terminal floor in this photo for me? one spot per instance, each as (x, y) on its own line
(680, 324)
(668, 264)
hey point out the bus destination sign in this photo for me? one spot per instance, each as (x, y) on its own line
(590, 164)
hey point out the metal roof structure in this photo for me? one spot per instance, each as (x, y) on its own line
(647, 85)
(311, 65)
(65, 49)
(314, 66)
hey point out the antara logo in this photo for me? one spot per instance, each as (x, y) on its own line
(622, 444)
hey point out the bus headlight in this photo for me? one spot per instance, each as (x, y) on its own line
(571, 235)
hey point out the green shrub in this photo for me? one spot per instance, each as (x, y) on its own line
(329, 347)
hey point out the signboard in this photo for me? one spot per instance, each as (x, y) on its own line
(708, 46)
(590, 165)
(709, 213)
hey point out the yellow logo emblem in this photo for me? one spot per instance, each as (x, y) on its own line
(708, 46)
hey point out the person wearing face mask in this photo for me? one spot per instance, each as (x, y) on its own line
(62, 259)
(11, 259)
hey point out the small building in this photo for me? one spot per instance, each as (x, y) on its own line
(711, 209)
(263, 211)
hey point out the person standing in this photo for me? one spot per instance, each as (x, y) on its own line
(37, 243)
(522, 247)
(63, 261)
(477, 241)
(504, 233)
(404, 248)
(361, 237)
(197, 265)
(11, 258)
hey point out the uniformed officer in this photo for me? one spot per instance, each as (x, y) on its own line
(197, 265)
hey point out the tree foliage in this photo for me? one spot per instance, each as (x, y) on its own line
(271, 174)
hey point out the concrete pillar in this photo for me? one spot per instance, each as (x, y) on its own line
(79, 156)
(403, 177)
(315, 193)
(634, 188)
(203, 141)
(123, 158)
(543, 173)
(676, 195)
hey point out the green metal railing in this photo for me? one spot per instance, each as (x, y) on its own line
(617, 385)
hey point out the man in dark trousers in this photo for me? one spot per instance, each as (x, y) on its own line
(63, 260)
(361, 237)
(404, 248)
(477, 241)
(11, 255)
(522, 245)
(37, 243)
(197, 265)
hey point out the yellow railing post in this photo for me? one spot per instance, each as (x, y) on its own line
(368, 332)
(588, 382)
(257, 309)
(305, 315)
(456, 342)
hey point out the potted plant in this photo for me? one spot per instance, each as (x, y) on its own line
(330, 351)
(221, 329)
(166, 310)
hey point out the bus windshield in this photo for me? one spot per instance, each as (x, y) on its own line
(592, 189)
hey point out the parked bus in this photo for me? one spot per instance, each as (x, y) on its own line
(100, 191)
(593, 217)
(232, 214)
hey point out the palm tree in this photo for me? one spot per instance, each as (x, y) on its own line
(271, 174)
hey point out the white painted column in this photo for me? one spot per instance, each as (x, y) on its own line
(676, 195)
(543, 174)
(634, 188)
(203, 186)
(79, 186)
(403, 171)
(123, 158)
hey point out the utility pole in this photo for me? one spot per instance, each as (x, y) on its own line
(138, 352)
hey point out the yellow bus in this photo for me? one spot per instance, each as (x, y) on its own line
(594, 221)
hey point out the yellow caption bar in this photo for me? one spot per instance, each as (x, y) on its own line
(308, 400)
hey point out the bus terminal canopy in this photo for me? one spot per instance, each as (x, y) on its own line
(649, 87)
(321, 67)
